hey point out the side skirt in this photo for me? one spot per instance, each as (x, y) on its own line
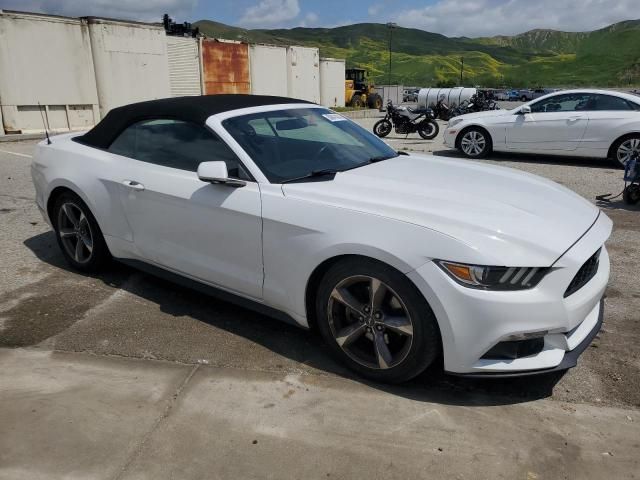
(210, 291)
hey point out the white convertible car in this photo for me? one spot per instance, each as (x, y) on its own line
(293, 210)
(587, 123)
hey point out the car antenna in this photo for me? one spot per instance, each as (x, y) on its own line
(45, 125)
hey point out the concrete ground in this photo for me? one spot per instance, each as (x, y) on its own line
(123, 375)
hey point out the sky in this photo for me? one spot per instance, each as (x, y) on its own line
(471, 18)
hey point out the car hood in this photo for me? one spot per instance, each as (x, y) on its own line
(508, 217)
(485, 114)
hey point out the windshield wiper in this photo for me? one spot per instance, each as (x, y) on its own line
(381, 158)
(313, 174)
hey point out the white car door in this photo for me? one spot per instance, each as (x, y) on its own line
(610, 118)
(555, 123)
(210, 232)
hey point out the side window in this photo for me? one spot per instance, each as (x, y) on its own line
(570, 102)
(175, 144)
(608, 102)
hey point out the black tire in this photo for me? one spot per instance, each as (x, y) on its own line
(382, 128)
(80, 239)
(631, 194)
(356, 101)
(523, 98)
(374, 101)
(410, 354)
(485, 145)
(630, 141)
(428, 129)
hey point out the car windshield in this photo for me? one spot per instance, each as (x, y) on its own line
(294, 143)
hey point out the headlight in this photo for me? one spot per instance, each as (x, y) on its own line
(493, 278)
(453, 122)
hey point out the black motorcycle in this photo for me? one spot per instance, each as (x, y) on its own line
(442, 110)
(406, 120)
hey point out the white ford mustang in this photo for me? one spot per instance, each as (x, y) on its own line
(589, 123)
(290, 208)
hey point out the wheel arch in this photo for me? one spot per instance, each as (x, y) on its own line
(58, 190)
(610, 152)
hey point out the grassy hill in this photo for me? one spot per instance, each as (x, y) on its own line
(606, 57)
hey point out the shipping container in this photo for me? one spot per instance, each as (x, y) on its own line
(268, 65)
(332, 82)
(46, 74)
(130, 61)
(428, 97)
(183, 55)
(225, 67)
(390, 92)
(303, 73)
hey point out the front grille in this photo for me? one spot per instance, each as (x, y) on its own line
(586, 273)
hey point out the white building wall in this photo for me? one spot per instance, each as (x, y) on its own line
(268, 67)
(332, 82)
(303, 73)
(183, 55)
(47, 60)
(130, 61)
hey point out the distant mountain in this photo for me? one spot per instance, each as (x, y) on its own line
(605, 57)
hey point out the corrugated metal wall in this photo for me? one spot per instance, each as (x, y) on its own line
(332, 82)
(46, 60)
(225, 67)
(268, 70)
(183, 56)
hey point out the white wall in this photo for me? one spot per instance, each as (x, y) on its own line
(268, 67)
(130, 60)
(303, 70)
(332, 82)
(46, 59)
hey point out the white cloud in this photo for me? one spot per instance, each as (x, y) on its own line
(310, 20)
(472, 18)
(375, 9)
(142, 10)
(270, 13)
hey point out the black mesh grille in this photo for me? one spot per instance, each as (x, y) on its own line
(586, 273)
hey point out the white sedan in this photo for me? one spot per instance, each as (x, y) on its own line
(588, 123)
(293, 210)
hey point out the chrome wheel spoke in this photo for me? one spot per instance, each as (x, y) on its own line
(378, 290)
(78, 250)
(343, 296)
(68, 211)
(88, 244)
(350, 334)
(67, 232)
(401, 325)
(383, 355)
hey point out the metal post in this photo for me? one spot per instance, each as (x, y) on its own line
(390, 26)
(461, 69)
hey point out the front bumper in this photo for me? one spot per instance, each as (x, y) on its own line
(472, 321)
(449, 137)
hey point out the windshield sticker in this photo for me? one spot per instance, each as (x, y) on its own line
(334, 117)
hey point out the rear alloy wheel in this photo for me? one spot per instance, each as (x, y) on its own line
(475, 143)
(376, 322)
(626, 149)
(382, 128)
(78, 234)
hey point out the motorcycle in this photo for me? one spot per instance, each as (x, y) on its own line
(406, 120)
(442, 110)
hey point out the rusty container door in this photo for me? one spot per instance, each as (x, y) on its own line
(225, 67)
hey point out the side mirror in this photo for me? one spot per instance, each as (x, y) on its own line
(216, 172)
(524, 110)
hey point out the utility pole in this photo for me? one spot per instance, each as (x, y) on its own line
(461, 69)
(390, 26)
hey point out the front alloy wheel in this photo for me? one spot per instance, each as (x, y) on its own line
(474, 143)
(369, 322)
(627, 149)
(376, 321)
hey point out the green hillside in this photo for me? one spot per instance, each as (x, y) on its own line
(606, 57)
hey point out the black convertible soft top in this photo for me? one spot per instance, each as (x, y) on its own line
(194, 109)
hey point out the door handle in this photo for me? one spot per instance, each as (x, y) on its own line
(574, 119)
(133, 184)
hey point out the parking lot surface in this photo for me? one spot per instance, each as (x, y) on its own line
(123, 375)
